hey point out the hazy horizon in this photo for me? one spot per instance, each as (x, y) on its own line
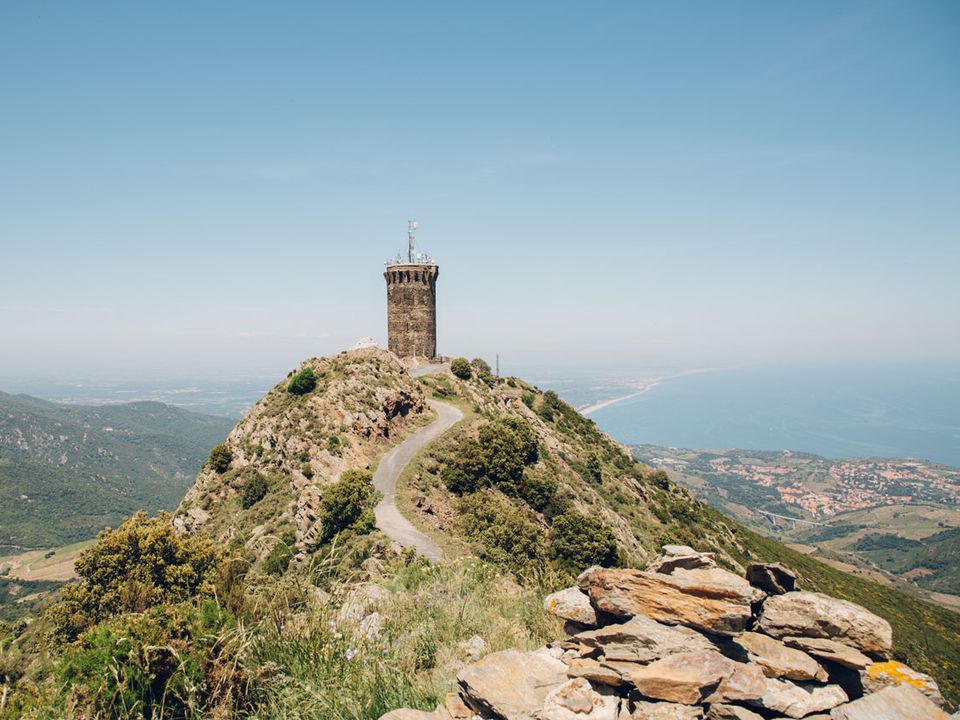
(203, 189)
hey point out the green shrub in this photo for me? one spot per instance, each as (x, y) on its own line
(539, 491)
(278, 559)
(481, 366)
(347, 505)
(502, 532)
(579, 541)
(142, 563)
(528, 398)
(254, 490)
(303, 382)
(461, 368)
(593, 472)
(334, 446)
(220, 458)
(466, 469)
(155, 665)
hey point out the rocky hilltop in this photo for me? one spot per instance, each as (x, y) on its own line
(687, 640)
(290, 445)
(523, 482)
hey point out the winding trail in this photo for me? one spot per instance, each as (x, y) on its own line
(389, 519)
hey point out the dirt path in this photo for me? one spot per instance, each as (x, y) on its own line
(389, 519)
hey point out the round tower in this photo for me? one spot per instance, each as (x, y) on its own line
(412, 303)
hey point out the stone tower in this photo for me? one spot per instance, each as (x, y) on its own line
(412, 303)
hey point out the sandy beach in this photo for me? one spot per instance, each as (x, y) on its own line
(641, 389)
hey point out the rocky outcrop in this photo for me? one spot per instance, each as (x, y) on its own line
(706, 599)
(773, 579)
(673, 644)
(572, 605)
(817, 615)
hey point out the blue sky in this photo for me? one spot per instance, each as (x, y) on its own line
(197, 187)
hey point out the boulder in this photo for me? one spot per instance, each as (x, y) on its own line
(797, 701)
(830, 650)
(719, 711)
(708, 599)
(745, 681)
(685, 678)
(594, 671)
(773, 578)
(577, 700)
(900, 702)
(511, 684)
(879, 675)
(474, 648)
(811, 614)
(405, 714)
(571, 604)
(663, 711)
(680, 556)
(456, 708)
(641, 639)
(778, 660)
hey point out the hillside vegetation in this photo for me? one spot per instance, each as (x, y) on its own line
(67, 471)
(270, 595)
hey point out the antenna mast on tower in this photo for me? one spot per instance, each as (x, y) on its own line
(411, 236)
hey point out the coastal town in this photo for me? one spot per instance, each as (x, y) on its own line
(805, 485)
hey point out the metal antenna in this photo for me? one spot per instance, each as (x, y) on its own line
(411, 237)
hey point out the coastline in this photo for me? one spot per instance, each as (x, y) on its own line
(650, 385)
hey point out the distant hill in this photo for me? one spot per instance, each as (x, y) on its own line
(67, 471)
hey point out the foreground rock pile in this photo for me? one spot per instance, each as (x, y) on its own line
(687, 640)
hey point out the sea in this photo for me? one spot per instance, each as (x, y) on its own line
(840, 410)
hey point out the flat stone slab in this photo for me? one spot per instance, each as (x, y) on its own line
(893, 703)
(810, 614)
(511, 684)
(708, 599)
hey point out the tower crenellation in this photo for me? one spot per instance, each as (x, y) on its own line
(412, 302)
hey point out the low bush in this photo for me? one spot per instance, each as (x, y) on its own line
(220, 458)
(578, 542)
(461, 368)
(303, 382)
(347, 505)
(142, 563)
(254, 490)
(502, 532)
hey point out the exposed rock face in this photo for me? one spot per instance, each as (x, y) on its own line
(778, 660)
(877, 676)
(571, 604)
(771, 578)
(830, 650)
(797, 701)
(893, 703)
(577, 700)
(643, 640)
(708, 599)
(655, 667)
(810, 614)
(511, 684)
